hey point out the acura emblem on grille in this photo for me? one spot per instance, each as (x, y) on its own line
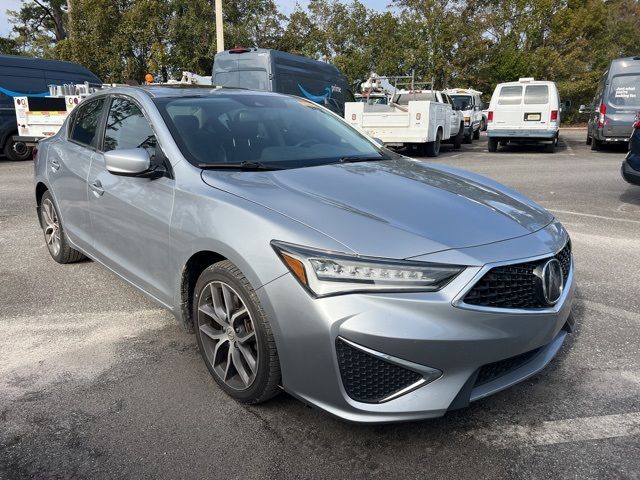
(551, 281)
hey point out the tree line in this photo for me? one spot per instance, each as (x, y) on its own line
(473, 43)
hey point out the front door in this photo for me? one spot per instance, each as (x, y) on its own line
(130, 215)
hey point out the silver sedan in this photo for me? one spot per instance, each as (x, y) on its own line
(304, 256)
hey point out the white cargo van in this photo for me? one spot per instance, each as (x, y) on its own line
(522, 112)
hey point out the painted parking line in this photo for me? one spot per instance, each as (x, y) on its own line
(591, 215)
(560, 431)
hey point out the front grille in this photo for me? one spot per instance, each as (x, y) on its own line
(514, 286)
(495, 370)
(369, 379)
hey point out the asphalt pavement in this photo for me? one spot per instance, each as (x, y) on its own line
(98, 382)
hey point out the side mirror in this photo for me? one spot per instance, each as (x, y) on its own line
(378, 141)
(129, 161)
(585, 109)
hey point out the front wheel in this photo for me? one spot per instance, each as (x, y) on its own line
(432, 149)
(234, 335)
(17, 151)
(492, 144)
(54, 234)
(457, 140)
(476, 134)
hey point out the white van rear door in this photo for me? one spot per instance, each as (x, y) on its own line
(508, 110)
(537, 106)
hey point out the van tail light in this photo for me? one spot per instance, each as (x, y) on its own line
(603, 113)
(554, 115)
(489, 116)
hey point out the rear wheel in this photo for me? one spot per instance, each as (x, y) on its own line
(483, 124)
(54, 234)
(432, 149)
(492, 144)
(468, 138)
(476, 134)
(17, 151)
(234, 335)
(551, 147)
(588, 142)
(595, 143)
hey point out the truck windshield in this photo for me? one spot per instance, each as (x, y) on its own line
(274, 131)
(463, 102)
(625, 91)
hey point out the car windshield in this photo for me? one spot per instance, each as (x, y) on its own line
(625, 91)
(274, 131)
(463, 102)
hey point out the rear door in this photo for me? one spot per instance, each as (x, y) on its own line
(623, 101)
(130, 216)
(508, 111)
(68, 164)
(537, 106)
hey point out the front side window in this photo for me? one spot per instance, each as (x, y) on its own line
(536, 95)
(127, 127)
(278, 131)
(510, 95)
(85, 123)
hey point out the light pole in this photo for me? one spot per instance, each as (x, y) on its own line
(219, 31)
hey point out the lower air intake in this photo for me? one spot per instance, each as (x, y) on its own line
(369, 379)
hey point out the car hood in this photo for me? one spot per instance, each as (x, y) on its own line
(396, 208)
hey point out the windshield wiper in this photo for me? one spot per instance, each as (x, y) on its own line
(238, 166)
(355, 158)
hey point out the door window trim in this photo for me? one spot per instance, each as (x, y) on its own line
(99, 126)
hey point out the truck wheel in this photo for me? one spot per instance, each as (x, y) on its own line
(588, 142)
(457, 140)
(432, 149)
(468, 138)
(483, 124)
(595, 143)
(17, 151)
(550, 147)
(492, 144)
(476, 134)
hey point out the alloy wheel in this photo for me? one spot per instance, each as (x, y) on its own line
(228, 335)
(51, 227)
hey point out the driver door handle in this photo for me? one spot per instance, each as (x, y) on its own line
(96, 186)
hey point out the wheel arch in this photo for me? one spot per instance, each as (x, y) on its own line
(189, 275)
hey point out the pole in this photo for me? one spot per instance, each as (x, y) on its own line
(219, 30)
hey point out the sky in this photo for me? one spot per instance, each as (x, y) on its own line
(285, 6)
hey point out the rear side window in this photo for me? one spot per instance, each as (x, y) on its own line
(536, 95)
(85, 123)
(127, 127)
(405, 98)
(625, 91)
(510, 95)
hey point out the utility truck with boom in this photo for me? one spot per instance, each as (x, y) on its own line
(420, 119)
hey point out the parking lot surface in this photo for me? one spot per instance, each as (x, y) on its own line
(98, 382)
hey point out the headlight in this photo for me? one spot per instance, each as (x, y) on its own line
(325, 273)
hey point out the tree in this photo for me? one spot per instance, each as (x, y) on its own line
(40, 24)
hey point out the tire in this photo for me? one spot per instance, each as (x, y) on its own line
(483, 124)
(476, 134)
(595, 143)
(588, 142)
(457, 141)
(54, 234)
(228, 358)
(492, 144)
(468, 138)
(17, 151)
(432, 149)
(550, 147)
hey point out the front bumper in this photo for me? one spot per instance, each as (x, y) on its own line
(431, 331)
(522, 134)
(629, 174)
